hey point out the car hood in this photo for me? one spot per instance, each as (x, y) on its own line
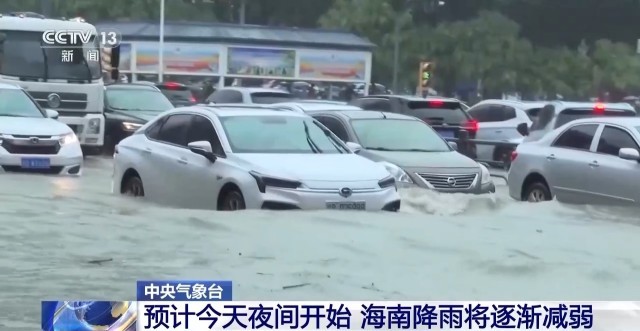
(32, 126)
(314, 167)
(138, 116)
(422, 159)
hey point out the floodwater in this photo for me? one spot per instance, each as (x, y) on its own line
(69, 238)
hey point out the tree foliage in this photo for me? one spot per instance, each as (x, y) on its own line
(536, 47)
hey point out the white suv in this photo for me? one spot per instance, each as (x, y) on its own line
(249, 95)
(498, 121)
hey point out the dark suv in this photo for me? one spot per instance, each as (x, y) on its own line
(446, 116)
(178, 94)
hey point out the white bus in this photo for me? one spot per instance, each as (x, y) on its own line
(74, 89)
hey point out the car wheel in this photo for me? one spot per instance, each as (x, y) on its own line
(133, 187)
(537, 192)
(233, 200)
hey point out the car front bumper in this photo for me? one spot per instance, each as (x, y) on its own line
(68, 161)
(313, 199)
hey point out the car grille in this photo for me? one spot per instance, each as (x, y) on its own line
(68, 100)
(441, 181)
(44, 149)
(18, 169)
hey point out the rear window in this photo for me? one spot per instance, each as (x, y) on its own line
(532, 113)
(569, 115)
(438, 112)
(270, 97)
(178, 94)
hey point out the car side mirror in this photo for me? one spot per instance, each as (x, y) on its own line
(453, 145)
(629, 154)
(202, 148)
(523, 129)
(354, 147)
(52, 113)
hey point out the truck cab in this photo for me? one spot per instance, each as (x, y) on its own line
(74, 88)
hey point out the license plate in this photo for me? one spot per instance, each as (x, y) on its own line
(36, 163)
(358, 205)
(446, 134)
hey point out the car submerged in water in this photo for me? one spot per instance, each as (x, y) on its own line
(231, 158)
(31, 138)
(410, 149)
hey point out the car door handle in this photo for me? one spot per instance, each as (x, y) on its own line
(182, 160)
(551, 157)
(594, 164)
(498, 131)
(147, 150)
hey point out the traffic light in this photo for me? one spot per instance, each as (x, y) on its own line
(425, 73)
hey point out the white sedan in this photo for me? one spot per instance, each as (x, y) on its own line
(32, 140)
(230, 158)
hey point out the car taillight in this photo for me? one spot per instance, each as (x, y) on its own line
(435, 103)
(192, 99)
(514, 155)
(599, 108)
(471, 126)
(172, 86)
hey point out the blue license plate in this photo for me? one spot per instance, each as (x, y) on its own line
(446, 134)
(36, 163)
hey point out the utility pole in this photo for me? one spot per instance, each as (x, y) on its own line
(243, 9)
(46, 7)
(161, 44)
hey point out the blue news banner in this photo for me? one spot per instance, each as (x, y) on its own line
(125, 315)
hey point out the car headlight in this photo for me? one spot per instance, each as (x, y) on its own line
(68, 138)
(400, 175)
(129, 126)
(485, 175)
(94, 126)
(264, 181)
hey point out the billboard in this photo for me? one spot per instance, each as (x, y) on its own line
(263, 62)
(179, 58)
(329, 65)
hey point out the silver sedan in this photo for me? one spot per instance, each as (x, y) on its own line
(592, 160)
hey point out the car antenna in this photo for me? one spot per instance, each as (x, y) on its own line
(383, 115)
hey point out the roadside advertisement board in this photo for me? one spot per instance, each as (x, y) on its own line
(262, 62)
(179, 58)
(125, 57)
(323, 64)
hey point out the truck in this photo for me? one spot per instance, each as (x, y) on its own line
(74, 89)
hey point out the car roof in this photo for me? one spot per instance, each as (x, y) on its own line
(622, 120)
(371, 114)
(317, 106)
(136, 86)
(254, 89)
(7, 86)
(412, 97)
(242, 110)
(562, 105)
(515, 103)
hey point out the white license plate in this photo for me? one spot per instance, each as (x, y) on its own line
(357, 205)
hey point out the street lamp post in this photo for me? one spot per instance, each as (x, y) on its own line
(161, 45)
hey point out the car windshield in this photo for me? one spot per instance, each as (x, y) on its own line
(279, 135)
(270, 97)
(438, 112)
(137, 99)
(398, 135)
(23, 56)
(569, 115)
(16, 103)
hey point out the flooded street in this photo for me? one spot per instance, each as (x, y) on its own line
(69, 238)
